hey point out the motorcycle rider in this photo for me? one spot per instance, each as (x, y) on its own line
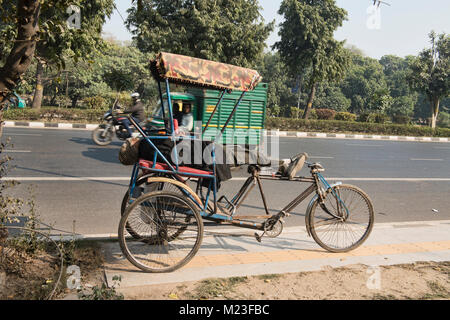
(137, 112)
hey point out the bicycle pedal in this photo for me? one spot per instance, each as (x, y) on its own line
(258, 237)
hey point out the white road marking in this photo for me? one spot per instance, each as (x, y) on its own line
(364, 145)
(22, 134)
(233, 179)
(68, 178)
(448, 148)
(418, 159)
(320, 157)
(17, 151)
(392, 179)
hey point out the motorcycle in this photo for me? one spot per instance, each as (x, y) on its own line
(112, 124)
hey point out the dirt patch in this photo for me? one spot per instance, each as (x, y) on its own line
(421, 280)
(34, 275)
(27, 276)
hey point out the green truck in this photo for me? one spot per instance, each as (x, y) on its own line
(246, 125)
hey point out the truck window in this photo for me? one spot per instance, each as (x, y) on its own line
(157, 114)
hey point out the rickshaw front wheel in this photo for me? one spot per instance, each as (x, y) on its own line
(351, 221)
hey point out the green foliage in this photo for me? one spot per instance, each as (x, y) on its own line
(401, 119)
(331, 97)
(444, 119)
(429, 73)
(279, 95)
(296, 112)
(56, 37)
(102, 292)
(354, 127)
(364, 81)
(403, 105)
(102, 74)
(373, 117)
(96, 102)
(307, 46)
(307, 36)
(54, 114)
(221, 30)
(345, 116)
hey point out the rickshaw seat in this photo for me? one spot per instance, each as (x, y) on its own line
(163, 166)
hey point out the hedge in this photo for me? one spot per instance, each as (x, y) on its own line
(331, 126)
(46, 114)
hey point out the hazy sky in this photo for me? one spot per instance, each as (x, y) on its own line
(404, 25)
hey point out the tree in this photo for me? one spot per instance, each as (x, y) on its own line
(396, 74)
(331, 97)
(22, 51)
(279, 94)
(59, 42)
(429, 72)
(229, 31)
(364, 81)
(113, 68)
(307, 44)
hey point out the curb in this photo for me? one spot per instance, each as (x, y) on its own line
(276, 133)
(293, 134)
(49, 125)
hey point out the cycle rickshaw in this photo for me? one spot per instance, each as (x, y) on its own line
(162, 228)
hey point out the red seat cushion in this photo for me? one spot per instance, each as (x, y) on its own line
(164, 166)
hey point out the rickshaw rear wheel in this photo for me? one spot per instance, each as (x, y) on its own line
(157, 186)
(154, 251)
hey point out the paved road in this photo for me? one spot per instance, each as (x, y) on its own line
(405, 180)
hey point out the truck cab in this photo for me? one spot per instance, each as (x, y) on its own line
(245, 127)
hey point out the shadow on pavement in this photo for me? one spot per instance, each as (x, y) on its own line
(102, 154)
(90, 142)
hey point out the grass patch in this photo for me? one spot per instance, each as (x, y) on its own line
(437, 291)
(269, 276)
(216, 288)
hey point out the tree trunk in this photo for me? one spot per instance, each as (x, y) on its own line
(20, 56)
(22, 52)
(434, 111)
(308, 107)
(39, 89)
(74, 101)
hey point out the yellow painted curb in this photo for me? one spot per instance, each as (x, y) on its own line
(215, 260)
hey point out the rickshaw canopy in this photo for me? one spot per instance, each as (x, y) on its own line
(191, 71)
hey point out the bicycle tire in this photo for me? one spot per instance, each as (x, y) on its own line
(332, 240)
(156, 206)
(160, 186)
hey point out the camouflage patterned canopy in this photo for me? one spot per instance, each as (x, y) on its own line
(204, 73)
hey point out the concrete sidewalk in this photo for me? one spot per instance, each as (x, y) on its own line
(239, 254)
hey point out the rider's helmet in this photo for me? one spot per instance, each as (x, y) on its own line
(135, 95)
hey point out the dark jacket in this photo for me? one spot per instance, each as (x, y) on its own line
(137, 111)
